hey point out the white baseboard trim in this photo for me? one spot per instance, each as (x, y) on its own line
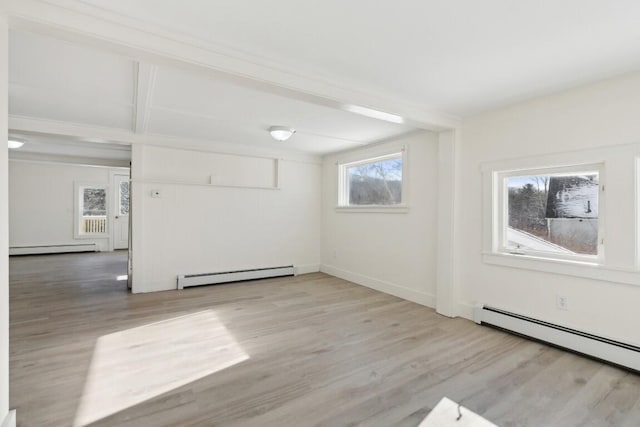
(9, 419)
(143, 288)
(169, 285)
(307, 268)
(466, 310)
(53, 249)
(223, 277)
(381, 285)
(619, 353)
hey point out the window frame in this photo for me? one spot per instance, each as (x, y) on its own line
(78, 188)
(500, 220)
(365, 157)
(118, 190)
(618, 162)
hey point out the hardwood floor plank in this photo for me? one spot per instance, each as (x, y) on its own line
(304, 350)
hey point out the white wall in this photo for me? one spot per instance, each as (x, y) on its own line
(41, 202)
(199, 228)
(595, 118)
(391, 252)
(4, 225)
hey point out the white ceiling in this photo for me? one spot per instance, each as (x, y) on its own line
(458, 56)
(55, 80)
(59, 81)
(448, 56)
(199, 107)
(70, 148)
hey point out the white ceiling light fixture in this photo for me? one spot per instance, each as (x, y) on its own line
(374, 114)
(15, 143)
(281, 133)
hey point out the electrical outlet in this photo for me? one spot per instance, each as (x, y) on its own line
(562, 302)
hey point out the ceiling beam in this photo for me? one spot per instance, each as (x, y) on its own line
(66, 159)
(25, 126)
(80, 22)
(145, 83)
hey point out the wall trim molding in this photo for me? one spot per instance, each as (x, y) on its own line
(144, 86)
(153, 286)
(446, 282)
(9, 419)
(394, 289)
(466, 311)
(84, 162)
(171, 285)
(307, 268)
(600, 272)
(53, 248)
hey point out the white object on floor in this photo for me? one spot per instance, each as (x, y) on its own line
(446, 414)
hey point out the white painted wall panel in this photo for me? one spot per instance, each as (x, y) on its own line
(600, 115)
(391, 252)
(4, 225)
(202, 228)
(41, 202)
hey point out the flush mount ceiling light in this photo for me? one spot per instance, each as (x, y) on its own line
(281, 133)
(15, 142)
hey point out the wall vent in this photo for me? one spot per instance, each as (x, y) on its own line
(604, 349)
(187, 280)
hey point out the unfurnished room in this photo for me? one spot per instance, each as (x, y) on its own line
(320, 213)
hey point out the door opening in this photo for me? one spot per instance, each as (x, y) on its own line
(121, 194)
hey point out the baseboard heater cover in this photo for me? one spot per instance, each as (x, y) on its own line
(187, 280)
(604, 349)
(53, 249)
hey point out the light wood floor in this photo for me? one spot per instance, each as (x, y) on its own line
(309, 350)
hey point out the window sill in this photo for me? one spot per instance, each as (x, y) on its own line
(587, 270)
(373, 209)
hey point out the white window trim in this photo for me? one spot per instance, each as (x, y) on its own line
(610, 270)
(499, 245)
(594, 268)
(573, 268)
(77, 208)
(369, 156)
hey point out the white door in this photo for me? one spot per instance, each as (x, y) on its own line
(121, 221)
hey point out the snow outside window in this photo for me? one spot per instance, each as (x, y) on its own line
(553, 213)
(91, 210)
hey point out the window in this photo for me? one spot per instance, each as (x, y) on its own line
(551, 213)
(91, 202)
(558, 219)
(373, 182)
(123, 200)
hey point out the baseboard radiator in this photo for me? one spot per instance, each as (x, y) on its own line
(604, 349)
(53, 249)
(187, 280)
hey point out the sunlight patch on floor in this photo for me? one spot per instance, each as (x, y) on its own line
(138, 364)
(122, 277)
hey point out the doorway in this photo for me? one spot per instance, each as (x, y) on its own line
(121, 194)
